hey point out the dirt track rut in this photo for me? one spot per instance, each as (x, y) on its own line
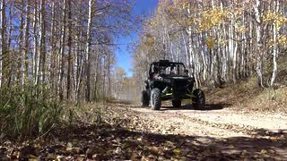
(230, 130)
(214, 123)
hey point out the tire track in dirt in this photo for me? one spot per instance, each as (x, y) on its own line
(177, 123)
(254, 124)
(245, 129)
(228, 134)
(187, 123)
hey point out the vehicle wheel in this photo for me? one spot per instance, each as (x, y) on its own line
(145, 98)
(176, 103)
(155, 99)
(198, 100)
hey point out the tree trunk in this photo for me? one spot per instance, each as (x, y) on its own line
(21, 56)
(62, 52)
(27, 42)
(275, 46)
(88, 54)
(5, 53)
(43, 42)
(35, 67)
(1, 56)
(53, 58)
(69, 51)
(259, 59)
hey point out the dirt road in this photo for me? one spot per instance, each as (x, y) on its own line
(230, 130)
(217, 123)
(118, 131)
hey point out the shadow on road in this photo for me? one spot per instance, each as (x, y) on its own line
(207, 107)
(281, 133)
(124, 102)
(106, 142)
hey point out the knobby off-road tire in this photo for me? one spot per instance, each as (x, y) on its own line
(145, 99)
(176, 103)
(155, 99)
(198, 100)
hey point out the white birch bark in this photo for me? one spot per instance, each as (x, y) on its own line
(87, 50)
(275, 46)
(258, 42)
(3, 42)
(191, 61)
(35, 43)
(25, 41)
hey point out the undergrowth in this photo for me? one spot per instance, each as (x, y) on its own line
(83, 113)
(28, 111)
(247, 95)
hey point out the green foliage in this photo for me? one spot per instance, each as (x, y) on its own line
(84, 113)
(28, 111)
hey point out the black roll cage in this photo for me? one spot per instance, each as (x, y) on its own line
(164, 63)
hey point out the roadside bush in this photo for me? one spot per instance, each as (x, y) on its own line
(28, 111)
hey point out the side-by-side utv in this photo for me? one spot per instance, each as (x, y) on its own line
(170, 81)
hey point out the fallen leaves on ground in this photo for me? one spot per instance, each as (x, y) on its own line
(123, 135)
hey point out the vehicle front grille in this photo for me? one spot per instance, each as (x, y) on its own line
(180, 87)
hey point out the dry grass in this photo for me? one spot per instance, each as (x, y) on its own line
(249, 96)
(28, 111)
(273, 100)
(234, 94)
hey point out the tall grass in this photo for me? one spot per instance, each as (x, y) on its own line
(28, 111)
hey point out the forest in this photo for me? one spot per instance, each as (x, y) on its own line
(64, 96)
(66, 46)
(219, 41)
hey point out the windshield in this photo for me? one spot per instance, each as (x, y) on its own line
(172, 70)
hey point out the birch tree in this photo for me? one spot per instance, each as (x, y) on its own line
(61, 46)
(220, 41)
(5, 78)
(88, 54)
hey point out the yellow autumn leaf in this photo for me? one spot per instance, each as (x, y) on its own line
(263, 151)
(210, 42)
(282, 40)
(177, 151)
(276, 18)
